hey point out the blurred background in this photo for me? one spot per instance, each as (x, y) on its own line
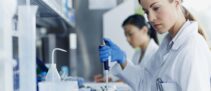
(77, 26)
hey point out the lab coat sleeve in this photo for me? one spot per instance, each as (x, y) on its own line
(133, 75)
(194, 71)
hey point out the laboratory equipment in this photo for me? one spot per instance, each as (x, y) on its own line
(53, 80)
(111, 87)
(79, 80)
(41, 70)
(64, 72)
(73, 53)
(27, 47)
(106, 67)
(58, 86)
(7, 9)
(53, 74)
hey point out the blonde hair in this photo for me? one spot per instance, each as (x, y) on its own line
(189, 16)
(201, 30)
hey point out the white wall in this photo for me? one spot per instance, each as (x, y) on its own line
(112, 25)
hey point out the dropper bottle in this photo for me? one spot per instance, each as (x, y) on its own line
(53, 74)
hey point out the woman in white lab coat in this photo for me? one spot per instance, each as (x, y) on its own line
(140, 36)
(182, 60)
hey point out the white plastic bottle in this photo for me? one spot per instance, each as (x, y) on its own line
(27, 47)
(53, 80)
(53, 74)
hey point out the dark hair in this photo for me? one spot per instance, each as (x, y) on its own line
(139, 21)
(139, 1)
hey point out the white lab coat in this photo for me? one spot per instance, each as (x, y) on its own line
(150, 51)
(182, 63)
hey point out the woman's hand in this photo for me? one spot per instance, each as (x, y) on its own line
(111, 49)
(100, 79)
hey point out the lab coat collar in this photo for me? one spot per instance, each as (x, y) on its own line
(187, 30)
(149, 50)
(184, 33)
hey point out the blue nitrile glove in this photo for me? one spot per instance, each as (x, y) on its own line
(104, 51)
(112, 49)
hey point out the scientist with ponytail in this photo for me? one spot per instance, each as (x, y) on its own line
(142, 37)
(182, 61)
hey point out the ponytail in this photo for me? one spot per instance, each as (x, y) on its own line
(189, 16)
(201, 31)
